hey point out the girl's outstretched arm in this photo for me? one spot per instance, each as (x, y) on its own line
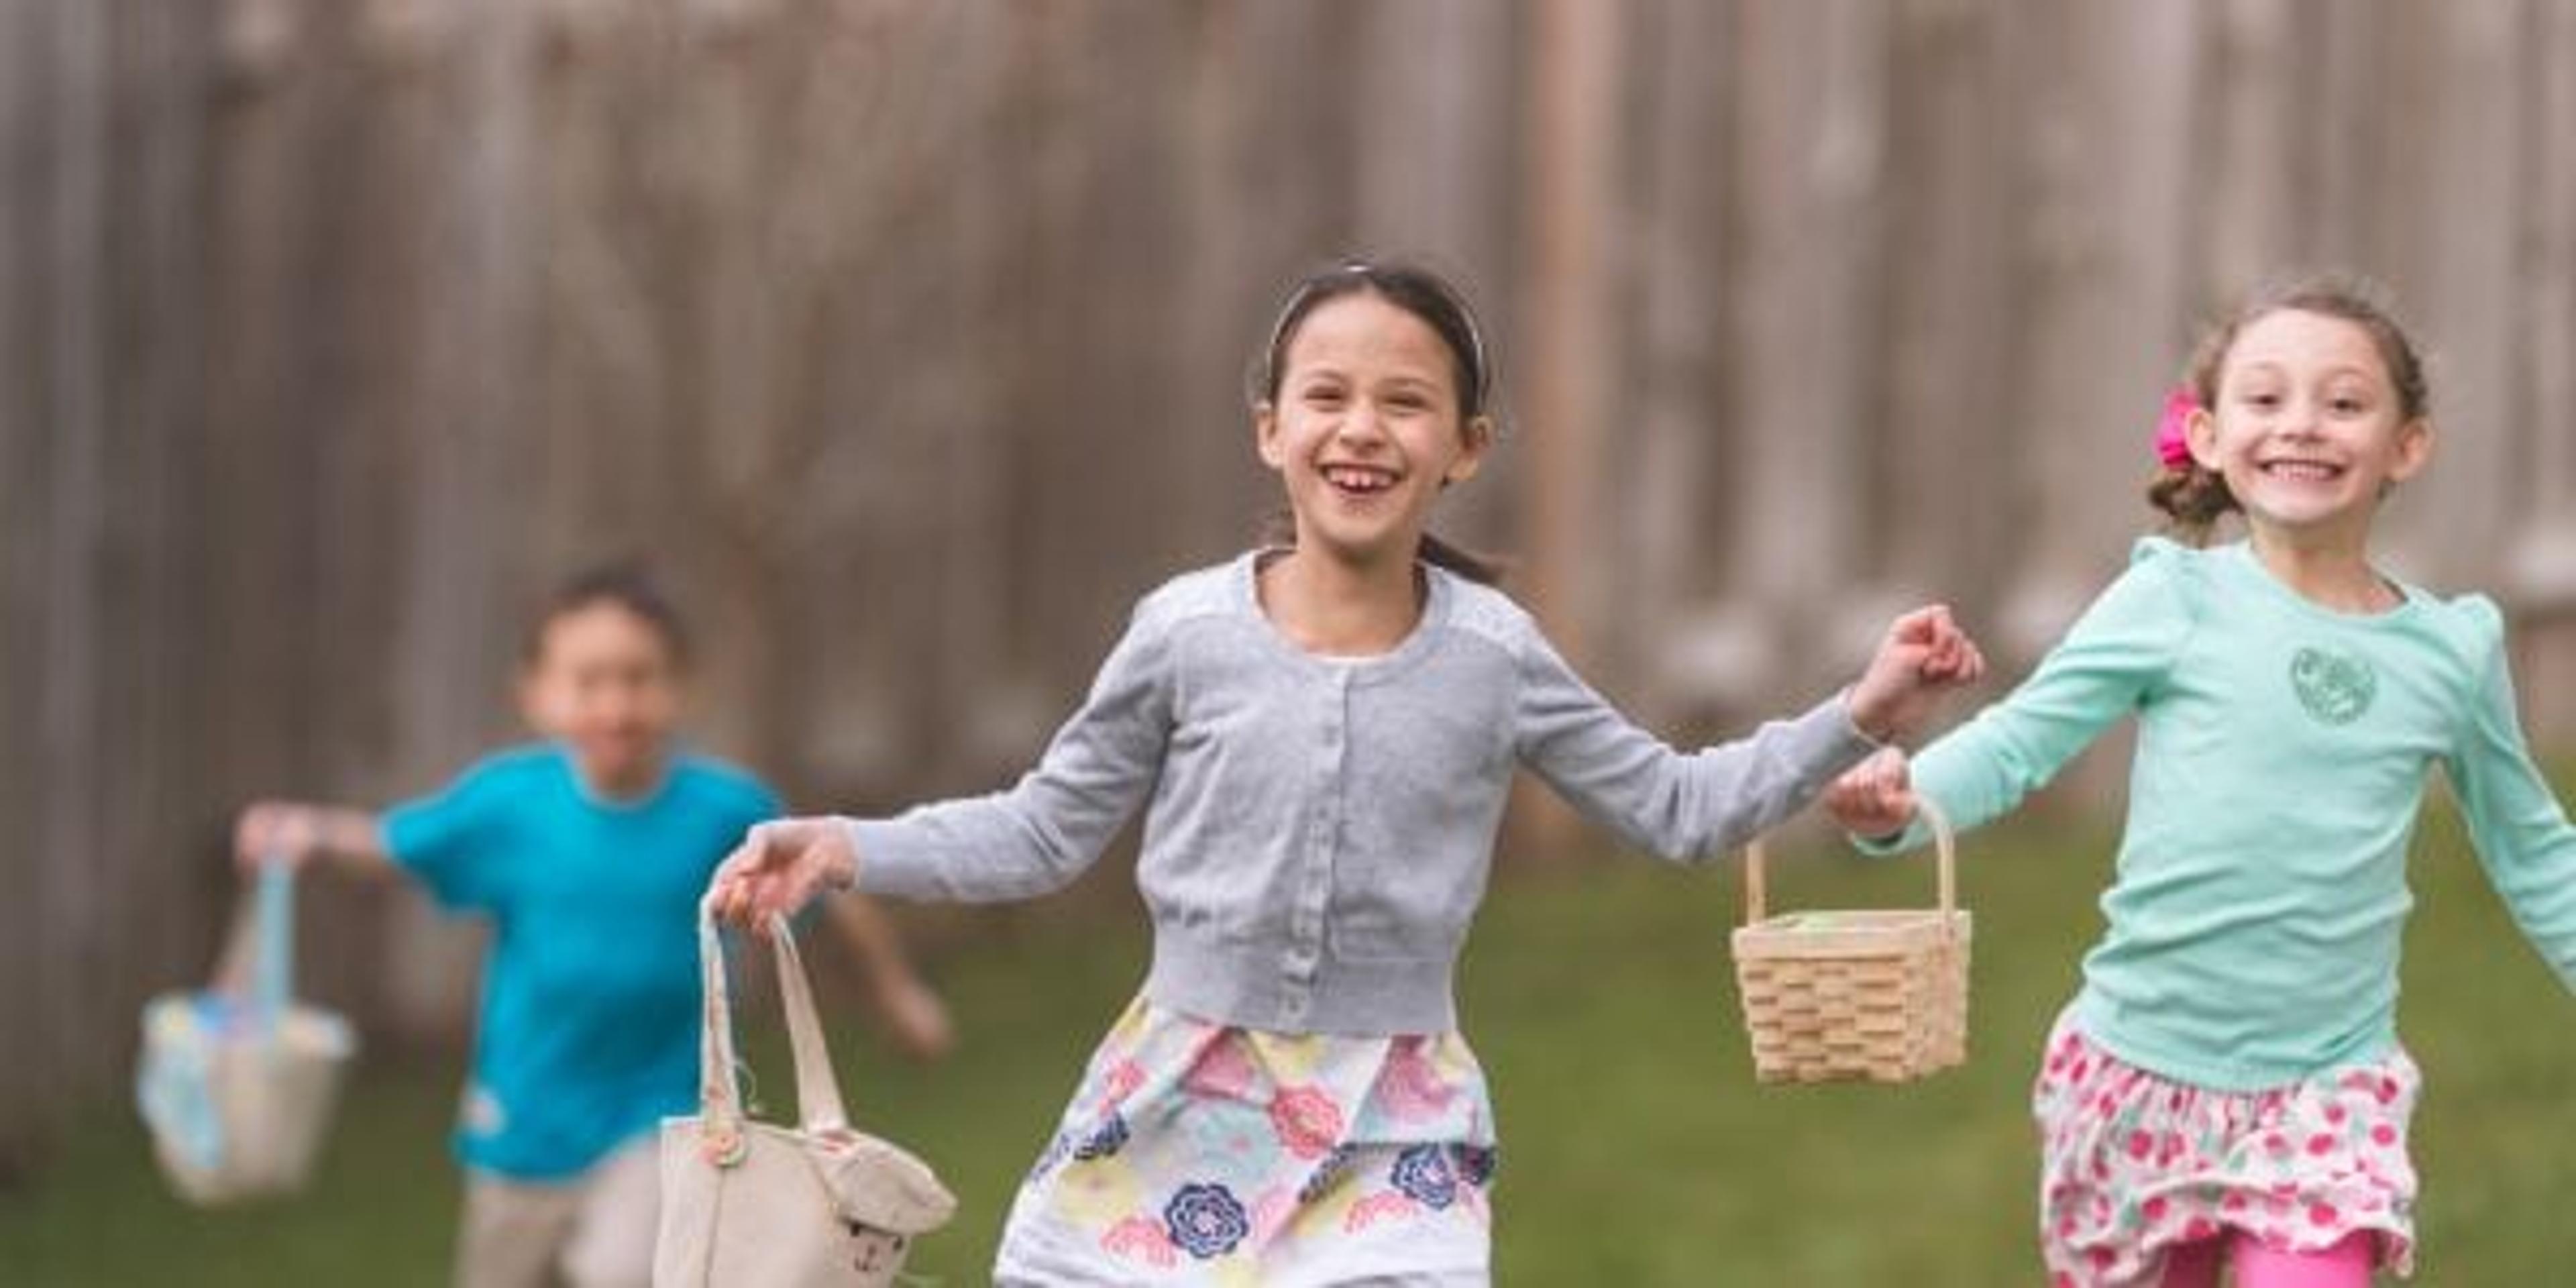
(2110, 660)
(1689, 806)
(2515, 819)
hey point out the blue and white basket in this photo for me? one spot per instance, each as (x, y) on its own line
(239, 1090)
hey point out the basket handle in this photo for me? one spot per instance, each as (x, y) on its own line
(257, 964)
(1756, 903)
(273, 984)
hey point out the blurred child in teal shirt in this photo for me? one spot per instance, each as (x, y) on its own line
(588, 853)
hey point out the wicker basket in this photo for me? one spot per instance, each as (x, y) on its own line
(1881, 995)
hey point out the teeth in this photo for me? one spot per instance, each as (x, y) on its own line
(1358, 480)
(2301, 470)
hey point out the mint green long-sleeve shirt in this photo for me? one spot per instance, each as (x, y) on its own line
(2254, 919)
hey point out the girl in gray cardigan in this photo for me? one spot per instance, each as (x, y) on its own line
(1321, 734)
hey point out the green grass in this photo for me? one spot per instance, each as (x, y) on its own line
(1637, 1149)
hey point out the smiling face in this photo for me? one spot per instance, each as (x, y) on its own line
(1365, 428)
(605, 682)
(2307, 427)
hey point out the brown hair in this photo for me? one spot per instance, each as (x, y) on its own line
(1440, 306)
(626, 583)
(2194, 498)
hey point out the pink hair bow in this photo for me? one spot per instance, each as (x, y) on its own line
(2173, 444)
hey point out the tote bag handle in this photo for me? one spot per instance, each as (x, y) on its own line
(818, 1095)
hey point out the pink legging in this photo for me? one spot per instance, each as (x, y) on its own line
(2345, 1265)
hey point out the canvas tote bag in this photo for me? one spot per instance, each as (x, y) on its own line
(756, 1205)
(238, 1087)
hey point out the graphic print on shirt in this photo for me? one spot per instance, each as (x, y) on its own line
(2336, 688)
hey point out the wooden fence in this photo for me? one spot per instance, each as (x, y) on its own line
(908, 336)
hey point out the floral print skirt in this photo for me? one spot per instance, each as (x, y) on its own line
(1201, 1153)
(2134, 1165)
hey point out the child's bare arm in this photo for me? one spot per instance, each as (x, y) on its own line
(909, 1009)
(296, 833)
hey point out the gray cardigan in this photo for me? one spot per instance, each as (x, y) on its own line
(1320, 829)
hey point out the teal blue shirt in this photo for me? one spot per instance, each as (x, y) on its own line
(588, 1033)
(2254, 919)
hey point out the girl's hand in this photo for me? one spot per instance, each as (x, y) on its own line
(779, 866)
(1923, 654)
(1874, 798)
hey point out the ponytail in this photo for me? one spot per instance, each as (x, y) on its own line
(2193, 499)
(1484, 570)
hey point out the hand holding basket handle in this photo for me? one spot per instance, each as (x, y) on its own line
(1874, 798)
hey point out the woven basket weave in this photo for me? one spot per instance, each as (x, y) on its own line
(1877, 995)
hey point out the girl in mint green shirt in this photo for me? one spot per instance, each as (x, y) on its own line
(2227, 1087)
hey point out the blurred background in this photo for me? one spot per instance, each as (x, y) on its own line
(908, 337)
